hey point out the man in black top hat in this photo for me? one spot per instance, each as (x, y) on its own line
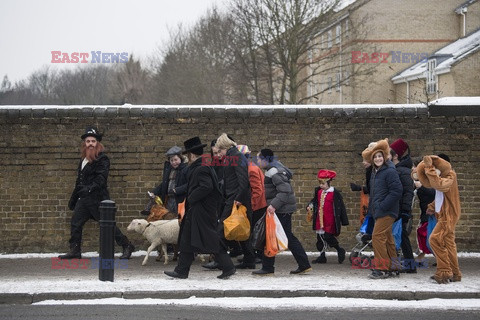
(198, 231)
(90, 190)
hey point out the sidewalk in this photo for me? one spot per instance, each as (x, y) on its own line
(30, 278)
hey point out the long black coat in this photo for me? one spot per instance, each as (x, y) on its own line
(339, 211)
(198, 231)
(91, 183)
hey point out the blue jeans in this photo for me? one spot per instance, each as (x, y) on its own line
(294, 245)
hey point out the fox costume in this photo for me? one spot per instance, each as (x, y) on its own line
(434, 172)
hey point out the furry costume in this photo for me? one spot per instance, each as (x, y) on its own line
(447, 201)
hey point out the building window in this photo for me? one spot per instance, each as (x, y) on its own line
(329, 38)
(346, 27)
(339, 79)
(338, 38)
(329, 84)
(346, 78)
(431, 76)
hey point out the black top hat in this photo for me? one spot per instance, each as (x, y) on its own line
(92, 132)
(193, 145)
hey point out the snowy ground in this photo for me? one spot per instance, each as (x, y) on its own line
(137, 278)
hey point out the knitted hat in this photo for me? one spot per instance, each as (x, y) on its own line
(400, 147)
(444, 166)
(243, 148)
(372, 149)
(326, 174)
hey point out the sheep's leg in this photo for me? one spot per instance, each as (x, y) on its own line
(152, 246)
(164, 249)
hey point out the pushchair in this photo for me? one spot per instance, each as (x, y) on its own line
(364, 240)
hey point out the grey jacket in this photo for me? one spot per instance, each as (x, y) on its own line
(278, 190)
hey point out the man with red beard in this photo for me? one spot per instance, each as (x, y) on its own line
(90, 190)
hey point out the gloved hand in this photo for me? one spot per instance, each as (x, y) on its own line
(355, 187)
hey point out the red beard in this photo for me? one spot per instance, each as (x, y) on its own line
(92, 153)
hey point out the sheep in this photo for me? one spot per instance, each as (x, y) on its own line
(157, 233)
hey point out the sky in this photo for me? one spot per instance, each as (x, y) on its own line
(31, 29)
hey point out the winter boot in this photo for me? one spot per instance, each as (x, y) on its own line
(127, 251)
(321, 259)
(341, 254)
(75, 252)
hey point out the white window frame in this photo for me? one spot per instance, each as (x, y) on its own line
(431, 76)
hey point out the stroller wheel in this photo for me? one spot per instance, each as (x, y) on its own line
(366, 262)
(352, 256)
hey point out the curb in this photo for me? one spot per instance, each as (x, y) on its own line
(26, 298)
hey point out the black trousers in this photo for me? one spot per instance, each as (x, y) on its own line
(326, 240)
(86, 209)
(406, 245)
(294, 245)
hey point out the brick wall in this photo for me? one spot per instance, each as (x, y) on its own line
(40, 152)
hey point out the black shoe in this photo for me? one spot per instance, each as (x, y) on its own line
(211, 265)
(175, 274)
(321, 259)
(301, 271)
(414, 270)
(341, 255)
(377, 274)
(127, 251)
(74, 253)
(244, 265)
(262, 272)
(227, 274)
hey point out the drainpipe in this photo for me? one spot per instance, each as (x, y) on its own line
(408, 92)
(464, 21)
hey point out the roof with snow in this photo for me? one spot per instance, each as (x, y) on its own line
(446, 58)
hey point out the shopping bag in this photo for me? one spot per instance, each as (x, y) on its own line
(367, 225)
(271, 246)
(397, 233)
(309, 217)
(181, 210)
(363, 206)
(282, 240)
(432, 222)
(237, 226)
(258, 234)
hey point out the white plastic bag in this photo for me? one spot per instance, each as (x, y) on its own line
(282, 239)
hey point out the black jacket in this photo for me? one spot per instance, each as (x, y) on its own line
(425, 197)
(236, 183)
(91, 182)
(404, 169)
(339, 211)
(180, 182)
(198, 231)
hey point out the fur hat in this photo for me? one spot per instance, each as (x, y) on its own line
(326, 174)
(91, 131)
(400, 147)
(444, 166)
(381, 145)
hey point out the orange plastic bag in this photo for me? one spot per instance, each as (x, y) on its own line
(363, 206)
(237, 226)
(181, 210)
(271, 245)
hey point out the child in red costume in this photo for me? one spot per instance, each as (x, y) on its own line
(328, 214)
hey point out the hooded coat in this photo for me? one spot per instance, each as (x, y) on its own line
(278, 189)
(198, 231)
(385, 191)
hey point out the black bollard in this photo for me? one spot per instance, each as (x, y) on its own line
(106, 260)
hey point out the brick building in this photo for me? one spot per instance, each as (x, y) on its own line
(369, 42)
